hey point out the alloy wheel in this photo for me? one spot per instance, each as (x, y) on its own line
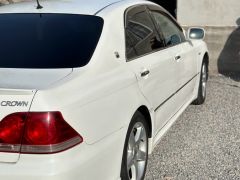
(137, 152)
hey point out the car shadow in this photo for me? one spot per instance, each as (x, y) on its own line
(229, 59)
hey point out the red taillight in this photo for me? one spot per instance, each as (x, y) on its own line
(11, 131)
(37, 132)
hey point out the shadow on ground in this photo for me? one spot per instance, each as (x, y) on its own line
(229, 59)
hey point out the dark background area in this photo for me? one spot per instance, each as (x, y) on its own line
(170, 5)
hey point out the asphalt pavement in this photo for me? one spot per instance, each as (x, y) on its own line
(204, 143)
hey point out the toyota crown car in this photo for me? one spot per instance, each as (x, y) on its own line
(88, 88)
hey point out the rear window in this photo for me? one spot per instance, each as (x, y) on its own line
(48, 40)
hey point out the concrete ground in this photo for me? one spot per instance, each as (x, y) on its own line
(204, 143)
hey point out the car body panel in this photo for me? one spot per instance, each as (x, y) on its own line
(31, 79)
(58, 6)
(77, 102)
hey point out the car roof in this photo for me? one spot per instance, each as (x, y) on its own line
(87, 7)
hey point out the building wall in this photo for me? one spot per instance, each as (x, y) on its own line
(221, 20)
(208, 12)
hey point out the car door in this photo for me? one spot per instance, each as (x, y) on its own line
(181, 53)
(152, 63)
(190, 58)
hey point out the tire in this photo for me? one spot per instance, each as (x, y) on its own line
(202, 90)
(135, 154)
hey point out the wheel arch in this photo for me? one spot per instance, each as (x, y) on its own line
(206, 59)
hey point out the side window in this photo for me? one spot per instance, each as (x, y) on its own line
(141, 36)
(171, 33)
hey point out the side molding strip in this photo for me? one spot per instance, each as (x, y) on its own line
(176, 92)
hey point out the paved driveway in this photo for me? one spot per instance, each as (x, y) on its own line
(204, 143)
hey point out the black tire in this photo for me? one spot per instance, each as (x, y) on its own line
(202, 90)
(126, 174)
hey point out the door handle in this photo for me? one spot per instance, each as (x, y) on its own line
(177, 57)
(145, 73)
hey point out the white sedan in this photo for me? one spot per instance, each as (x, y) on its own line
(88, 88)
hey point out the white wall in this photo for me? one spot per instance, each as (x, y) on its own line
(208, 12)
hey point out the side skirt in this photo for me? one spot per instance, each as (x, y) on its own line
(155, 140)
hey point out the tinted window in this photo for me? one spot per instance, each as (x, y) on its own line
(48, 40)
(171, 33)
(141, 37)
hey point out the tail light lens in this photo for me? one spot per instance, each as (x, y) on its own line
(11, 131)
(37, 133)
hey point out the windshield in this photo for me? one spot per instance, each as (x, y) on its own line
(48, 40)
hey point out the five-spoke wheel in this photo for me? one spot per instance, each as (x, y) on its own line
(135, 154)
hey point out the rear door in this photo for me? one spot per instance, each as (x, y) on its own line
(152, 63)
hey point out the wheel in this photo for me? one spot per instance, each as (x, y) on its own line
(202, 85)
(135, 154)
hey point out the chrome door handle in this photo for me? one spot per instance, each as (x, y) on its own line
(145, 73)
(177, 58)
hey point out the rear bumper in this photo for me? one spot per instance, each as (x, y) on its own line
(100, 161)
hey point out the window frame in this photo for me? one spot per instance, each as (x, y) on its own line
(131, 11)
(153, 8)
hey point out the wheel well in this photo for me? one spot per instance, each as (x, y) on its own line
(206, 58)
(145, 112)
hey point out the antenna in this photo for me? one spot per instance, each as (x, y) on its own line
(38, 5)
